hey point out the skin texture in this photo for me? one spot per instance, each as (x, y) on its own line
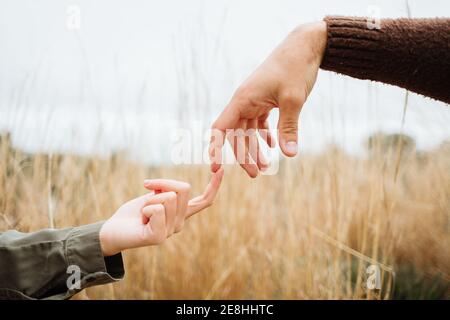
(153, 217)
(284, 80)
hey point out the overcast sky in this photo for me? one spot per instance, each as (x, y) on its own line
(136, 71)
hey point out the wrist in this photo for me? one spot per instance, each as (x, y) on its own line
(315, 36)
(105, 242)
(319, 35)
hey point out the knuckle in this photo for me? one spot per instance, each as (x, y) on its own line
(171, 195)
(291, 100)
(249, 101)
(241, 91)
(243, 96)
(289, 126)
(159, 208)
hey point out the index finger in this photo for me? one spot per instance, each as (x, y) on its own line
(207, 197)
(228, 119)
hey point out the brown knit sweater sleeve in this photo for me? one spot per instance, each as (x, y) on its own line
(410, 53)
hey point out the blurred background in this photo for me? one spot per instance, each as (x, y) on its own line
(92, 92)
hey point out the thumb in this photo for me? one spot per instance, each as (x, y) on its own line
(290, 107)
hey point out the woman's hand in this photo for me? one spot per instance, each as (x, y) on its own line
(151, 218)
(284, 80)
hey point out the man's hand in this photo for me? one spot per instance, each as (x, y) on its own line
(284, 80)
(151, 218)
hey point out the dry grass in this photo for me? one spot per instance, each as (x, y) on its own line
(308, 232)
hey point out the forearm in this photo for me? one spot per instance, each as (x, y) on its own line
(410, 53)
(44, 264)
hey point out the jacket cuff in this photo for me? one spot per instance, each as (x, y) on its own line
(86, 263)
(352, 46)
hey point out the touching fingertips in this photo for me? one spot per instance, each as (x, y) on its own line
(215, 167)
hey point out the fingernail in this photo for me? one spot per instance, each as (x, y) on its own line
(146, 182)
(291, 147)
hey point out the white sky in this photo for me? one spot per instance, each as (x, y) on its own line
(137, 70)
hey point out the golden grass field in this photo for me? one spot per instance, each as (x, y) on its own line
(308, 232)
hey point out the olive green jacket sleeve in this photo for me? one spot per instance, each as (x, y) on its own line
(54, 264)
